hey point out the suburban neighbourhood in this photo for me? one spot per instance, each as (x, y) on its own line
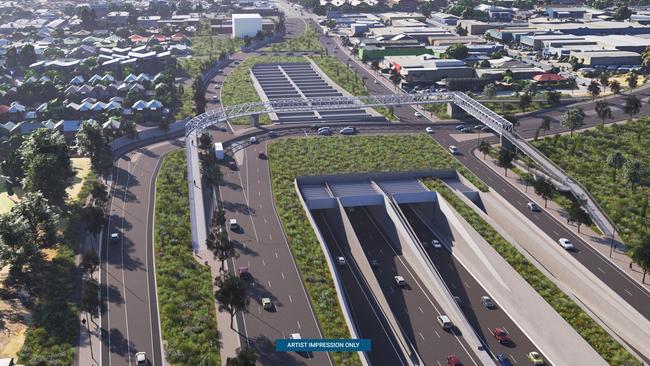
(324, 182)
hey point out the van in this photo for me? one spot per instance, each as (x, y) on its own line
(444, 322)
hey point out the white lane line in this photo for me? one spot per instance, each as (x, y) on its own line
(276, 255)
(439, 364)
(299, 327)
(269, 282)
(419, 308)
(629, 293)
(600, 269)
(290, 299)
(263, 262)
(466, 284)
(260, 205)
(244, 192)
(555, 232)
(265, 221)
(512, 358)
(518, 202)
(435, 331)
(126, 308)
(259, 182)
(249, 264)
(421, 336)
(270, 237)
(392, 289)
(259, 311)
(282, 273)
(259, 194)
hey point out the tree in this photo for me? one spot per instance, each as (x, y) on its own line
(645, 58)
(12, 165)
(489, 91)
(426, 8)
(512, 119)
(456, 51)
(552, 97)
(615, 86)
(460, 30)
(632, 106)
(544, 189)
(11, 57)
(572, 119)
(525, 100)
(94, 219)
(632, 80)
(245, 357)
(615, 160)
(89, 262)
(231, 295)
(198, 97)
(219, 218)
(223, 248)
(639, 250)
(633, 171)
(603, 110)
(505, 158)
(604, 80)
(545, 124)
(622, 12)
(593, 89)
(129, 129)
(484, 147)
(92, 143)
(577, 214)
(27, 56)
(90, 302)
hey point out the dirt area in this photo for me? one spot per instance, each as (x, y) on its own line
(13, 322)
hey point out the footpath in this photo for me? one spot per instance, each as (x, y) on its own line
(90, 332)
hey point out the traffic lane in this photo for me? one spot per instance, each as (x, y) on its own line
(601, 267)
(369, 324)
(415, 310)
(272, 270)
(464, 285)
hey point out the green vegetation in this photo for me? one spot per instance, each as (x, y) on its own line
(238, 88)
(612, 163)
(187, 313)
(305, 42)
(339, 155)
(596, 336)
(438, 109)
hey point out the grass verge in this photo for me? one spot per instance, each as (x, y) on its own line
(339, 155)
(307, 41)
(596, 336)
(187, 310)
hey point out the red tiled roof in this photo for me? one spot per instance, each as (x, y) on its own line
(548, 77)
(4, 108)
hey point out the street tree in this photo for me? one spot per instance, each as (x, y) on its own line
(219, 218)
(489, 91)
(577, 214)
(593, 89)
(90, 301)
(505, 158)
(89, 262)
(12, 165)
(545, 124)
(245, 357)
(632, 106)
(92, 143)
(231, 295)
(633, 171)
(484, 147)
(632, 80)
(603, 110)
(553, 97)
(198, 96)
(525, 99)
(94, 219)
(544, 189)
(639, 250)
(99, 194)
(615, 86)
(603, 79)
(572, 119)
(224, 248)
(615, 160)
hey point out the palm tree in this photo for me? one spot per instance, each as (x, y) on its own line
(546, 123)
(603, 111)
(484, 147)
(506, 156)
(633, 172)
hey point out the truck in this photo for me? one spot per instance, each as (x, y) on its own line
(218, 150)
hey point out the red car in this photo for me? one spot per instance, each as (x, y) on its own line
(453, 360)
(501, 335)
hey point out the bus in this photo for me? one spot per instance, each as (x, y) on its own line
(218, 150)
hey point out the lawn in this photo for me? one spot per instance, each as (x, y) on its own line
(305, 42)
(238, 87)
(584, 158)
(187, 309)
(339, 155)
(596, 336)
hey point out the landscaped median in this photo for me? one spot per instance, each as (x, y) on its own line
(591, 331)
(294, 157)
(187, 310)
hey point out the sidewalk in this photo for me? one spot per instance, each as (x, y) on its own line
(595, 240)
(89, 345)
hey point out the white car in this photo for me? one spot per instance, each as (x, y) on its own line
(454, 150)
(399, 280)
(436, 244)
(566, 243)
(348, 131)
(234, 226)
(340, 261)
(429, 129)
(375, 81)
(418, 114)
(115, 237)
(140, 358)
(533, 206)
(253, 140)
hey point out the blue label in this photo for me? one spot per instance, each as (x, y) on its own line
(323, 345)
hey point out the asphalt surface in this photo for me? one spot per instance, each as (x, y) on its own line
(130, 320)
(466, 287)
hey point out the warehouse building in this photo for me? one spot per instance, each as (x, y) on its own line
(609, 58)
(425, 69)
(246, 25)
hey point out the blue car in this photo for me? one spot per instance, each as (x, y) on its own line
(502, 360)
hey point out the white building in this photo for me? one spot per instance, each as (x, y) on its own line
(246, 25)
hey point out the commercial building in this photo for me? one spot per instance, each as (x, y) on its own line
(389, 17)
(609, 58)
(246, 25)
(478, 28)
(596, 28)
(425, 69)
(444, 18)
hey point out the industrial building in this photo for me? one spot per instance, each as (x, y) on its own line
(426, 69)
(609, 58)
(246, 25)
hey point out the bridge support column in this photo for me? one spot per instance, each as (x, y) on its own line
(453, 111)
(506, 143)
(255, 120)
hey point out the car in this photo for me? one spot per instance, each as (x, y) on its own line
(375, 81)
(458, 300)
(478, 127)
(348, 131)
(418, 114)
(374, 263)
(242, 272)
(429, 129)
(436, 244)
(566, 243)
(460, 127)
(340, 261)
(273, 134)
(466, 130)
(487, 302)
(444, 321)
(501, 335)
(262, 156)
(115, 237)
(233, 224)
(267, 304)
(486, 129)
(454, 150)
(325, 132)
(399, 280)
(252, 140)
(535, 358)
(533, 206)
(295, 336)
(502, 360)
(215, 98)
(232, 165)
(453, 360)
(141, 358)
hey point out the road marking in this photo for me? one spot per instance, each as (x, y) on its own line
(519, 202)
(263, 262)
(556, 233)
(435, 331)
(439, 364)
(259, 182)
(126, 311)
(600, 270)
(270, 237)
(421, 336)
(452, 285)
(299, 327)
(290, 299)
(269, 282)
(282, 273)
(466, 284)
(258, 169)
(512, 358)
(490, 330)
(259, 194)
(419, 308)
(276, 255)
(265, 221)
(249, 264)
(450, 265)
(258, 310)
(628, 292)
(260, 205)
(381, 252)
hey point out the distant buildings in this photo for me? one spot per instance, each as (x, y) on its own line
(246, 25)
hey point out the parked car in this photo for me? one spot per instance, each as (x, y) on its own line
(273, 134)
(242, 272)
(501, 335)
(535, 358)
(399, 280)
(478, 127)
(466, 130)
(460, 127)
(487, 302)
(533, 206)
(327, 132)
(566, 244)
(454, 150)
(262, 155)
(429, 129)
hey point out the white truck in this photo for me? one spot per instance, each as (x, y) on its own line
(218, 150)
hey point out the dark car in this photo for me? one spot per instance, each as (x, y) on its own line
(232, 165)
(262, 156)
(502, 360)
